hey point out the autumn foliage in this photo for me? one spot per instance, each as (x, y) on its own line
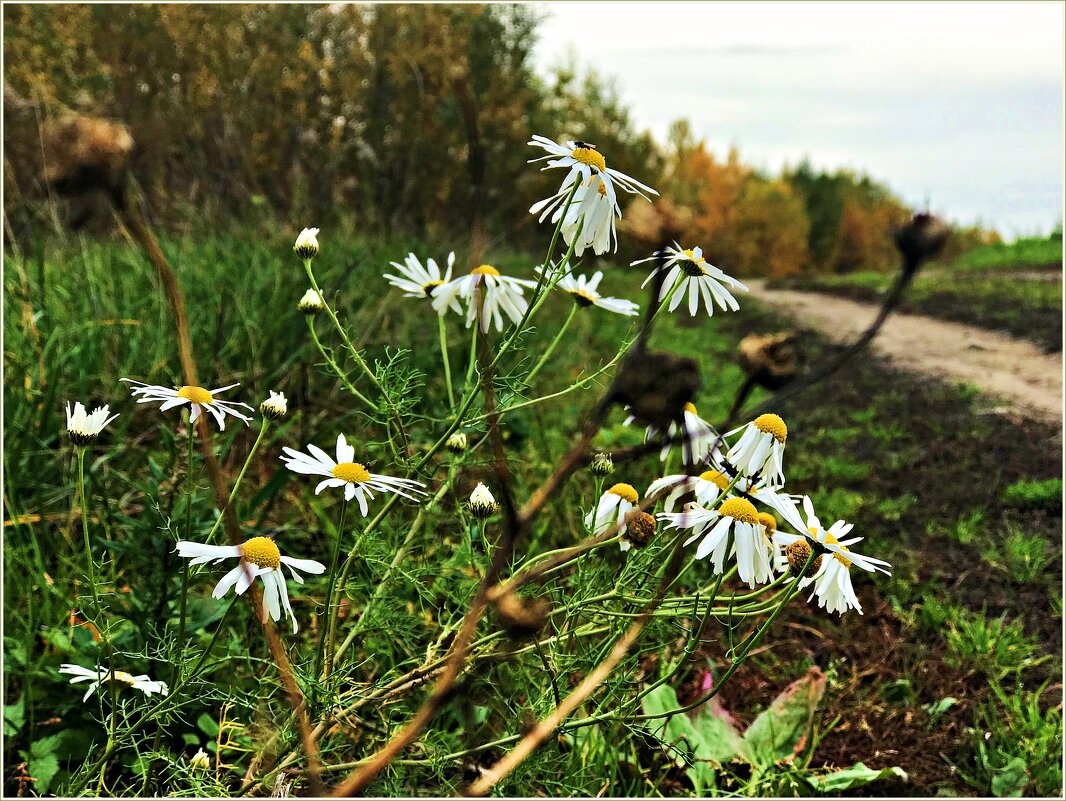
(398, 118)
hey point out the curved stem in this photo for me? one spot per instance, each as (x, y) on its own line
(348, 385)
(99, 623)
(175, 674)
(551, 346)
(240, 476)
(328, 618)
(359, 360)
(444, 358)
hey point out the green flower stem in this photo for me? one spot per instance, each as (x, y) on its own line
(551, 346)
(343, 334)
(328, 617)
(342, 584)
(359, 360)
(473, 346)
(182, 603)
(745, 650)
(100, 623)
(240, 476)
(444, 357)
(335, 367)
(416, 525)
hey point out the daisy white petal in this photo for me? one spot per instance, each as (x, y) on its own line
(356, 480)
(259, 558)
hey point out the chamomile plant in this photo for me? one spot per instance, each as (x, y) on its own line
(384, 552)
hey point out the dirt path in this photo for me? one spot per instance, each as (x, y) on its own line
(1026, 379)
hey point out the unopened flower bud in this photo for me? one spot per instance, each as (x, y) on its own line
(482, 504)
(83, 428)
(306, 246)
(602, 464)
(311, 302)
(797, 554)
(274, 407)
(639, 531)
(456, 442)
(200, 761)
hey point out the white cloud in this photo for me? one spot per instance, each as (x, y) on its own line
(958, 102)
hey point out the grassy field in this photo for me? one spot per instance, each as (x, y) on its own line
(951, 674)
(1015, 288)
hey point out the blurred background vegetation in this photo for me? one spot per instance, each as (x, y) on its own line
(399, 120)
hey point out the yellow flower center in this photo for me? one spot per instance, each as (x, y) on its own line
(721, 480)
(583, 297)
(195, 394)
(429, 286)
(691, 408)
(740, 509)
(772, 424)
(625, 492)
(768, 521)
(831, 540)
(261, 551)
(486, 269)
(594, 158)
(603, 189)
(352, 472)
(122, 677)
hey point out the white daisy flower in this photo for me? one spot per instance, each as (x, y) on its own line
(198, 398)
(482, 504)
(699, 279)
(583, 291)
(83, 428)
(584, 163)
(311, 303)
(831, 540)
(611, 510)
(760, 451)
(697, 437)
(592, 216)
(498, 293)
(98, 676)
(417, 281)
(832, 581)
(707, 488)
(274, 406)
(358, 482)
(752, 548)
(306, 246)
(260, 558)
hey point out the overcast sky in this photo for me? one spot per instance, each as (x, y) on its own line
(959, 104)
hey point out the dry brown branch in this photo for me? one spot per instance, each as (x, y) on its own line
(529, 743)
(133, 218)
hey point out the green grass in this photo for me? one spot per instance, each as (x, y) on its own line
(859, 446)
(983, 287)
(1024, 252)
(992, 646)
(1024, 557)
(1025, 494)
(1018, 740)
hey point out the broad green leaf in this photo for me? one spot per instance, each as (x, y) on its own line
(14, 717)
(857, 775)
(1010, 780)
(673, 729)
(780, 732)
(43, 768)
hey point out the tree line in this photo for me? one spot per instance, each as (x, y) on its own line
(408, 119)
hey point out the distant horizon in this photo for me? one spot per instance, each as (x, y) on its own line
(963, 112)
